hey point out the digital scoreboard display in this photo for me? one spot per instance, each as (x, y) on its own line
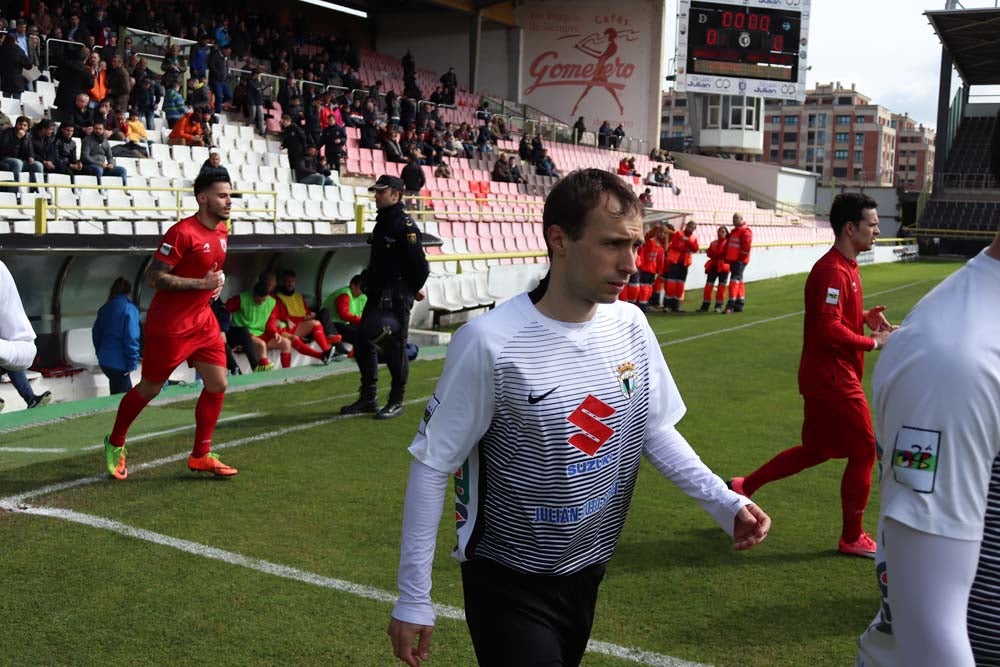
(748, 47)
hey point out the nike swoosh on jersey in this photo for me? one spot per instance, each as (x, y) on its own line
(532, 399)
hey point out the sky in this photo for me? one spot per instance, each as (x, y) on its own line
(886, 47)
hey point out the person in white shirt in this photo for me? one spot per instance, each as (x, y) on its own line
(935, 390)
(545, 408)
(17, 338)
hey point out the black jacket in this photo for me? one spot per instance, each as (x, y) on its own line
(65, 153)
(12, 61)
(413, 177)
(11, 146)
(44, 148)
(397, 264)
(74, 79)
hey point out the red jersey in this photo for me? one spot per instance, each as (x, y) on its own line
(680, 248)
(290, 309)
(738, 245)
(833, 347)
(717, 257)
(191, 250)
(650, 258)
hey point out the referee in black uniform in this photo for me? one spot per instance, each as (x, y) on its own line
(397, 269)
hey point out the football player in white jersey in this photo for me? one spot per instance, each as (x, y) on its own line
(545, 408)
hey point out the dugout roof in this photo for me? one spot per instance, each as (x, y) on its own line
(972, 36)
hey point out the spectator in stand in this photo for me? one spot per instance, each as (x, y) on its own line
(578, 129)
(119, 83)
(173, 104)
(653, 178)
(443, 170)
(407, 112)
(308, 169)
(95, 153)
(218, 76)
(172, 66)
(99, 70)
(537, 148)
(392, 112)
(483, 112)
(449, 82)
(16, 153)
(623, 168)
(334, 139)
(288, 89)
(135, 130)
(515, 171)
(501, 169)
(299, 320)
(545, 166)
(222, 38)
(118, 127)
(199, 94)
(76, 32)
(43, 145)
(116, 336)
(617, 136)
(341, 313)
(255, 328)
(293, 139)
(716, 269)
(255, 102)
(413, 181)
(74, 79)
(647, 198)
(145, 96)
(67, 161)
(486, 140)
(524, 148)
(213, 164)
(187, 130)
(104, 114)
(604, 135)
(393, 151)
(12, 63)
(296, 111)
(369, 135)
(207, 118)
(668, 180)
(198, 57)
(437, 97)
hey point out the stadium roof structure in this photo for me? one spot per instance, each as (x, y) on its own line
(972, 36)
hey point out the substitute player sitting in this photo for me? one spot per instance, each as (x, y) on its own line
(300, 321)
(186, 272)
(256, 328)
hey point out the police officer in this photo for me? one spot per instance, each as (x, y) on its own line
(397, 269)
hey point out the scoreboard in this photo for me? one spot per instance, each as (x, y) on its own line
(743, 47)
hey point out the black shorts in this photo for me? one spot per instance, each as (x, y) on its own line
(736, 271)
(714, 275)
(529, 620)
(634, 279)
(677, 272)
(646, 278)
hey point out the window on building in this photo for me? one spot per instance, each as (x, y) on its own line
(821, 137)
(811, 139)
(681, 102)
(711, 110)
(736, 116)
(840, 172)
(678, 120)
(840, 138)
(791, 137)
(859, 156)
(862, 119)
(810, 155)
(845, 100)
(820, 154)
(791, 120)
(858, 174)
(892, 124)
(812, 120)
(843, 120)
(819, 170)
(678, 135)
(776, 119)
(775, 138)
(859, 138)
(774, 156)
(839, 155)
(821, 121)
(788, 155)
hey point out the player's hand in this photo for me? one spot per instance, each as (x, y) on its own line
(750, 527)
(214, 280)
(420, 295)
(883, 335)
(876, 320)
(402, 635)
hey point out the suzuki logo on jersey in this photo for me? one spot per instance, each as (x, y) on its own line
(588, 418)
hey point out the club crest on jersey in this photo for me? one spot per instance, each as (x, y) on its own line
(628, 378)
(832, 296)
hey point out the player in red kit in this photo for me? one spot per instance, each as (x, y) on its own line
(837, 421)
(186, 272)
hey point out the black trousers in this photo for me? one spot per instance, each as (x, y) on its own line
(384, 331)
(529, 620)
(240, 337)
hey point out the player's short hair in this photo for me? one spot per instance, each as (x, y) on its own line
(580, 192)
(849, 207)
(357, 279)
(207, 179)
(288, 273)
(260, 289)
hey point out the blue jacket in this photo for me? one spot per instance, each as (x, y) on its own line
(116, 334)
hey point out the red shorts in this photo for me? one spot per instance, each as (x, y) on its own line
(165, 353)
(838, 427)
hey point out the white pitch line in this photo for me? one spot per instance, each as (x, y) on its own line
(286, 572)
(776, 318)
(138, 438)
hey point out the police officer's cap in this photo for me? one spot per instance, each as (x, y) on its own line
(386, 181)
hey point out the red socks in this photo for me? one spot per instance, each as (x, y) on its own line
(707, 295)
(855, 486)
(300, 346)
(320, 337)
(286, 359)
(785, 464)
(129, 408)
(206, 416)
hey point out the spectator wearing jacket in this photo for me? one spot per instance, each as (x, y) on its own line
(173, 104)
(218, 75)
(309, 171)
(501, 170)
(16, 152)
(255, 102)
(74, 79)
(12, 63)
(67, 160)
(198, 58)
(545, 166)
(43, 145)
(119, 83)
(187, 131)
(116, 336)
(95, 153)
(335, 140)
(604, 135)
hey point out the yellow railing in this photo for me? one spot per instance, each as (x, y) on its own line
(41, 212)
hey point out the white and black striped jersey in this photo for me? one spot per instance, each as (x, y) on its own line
(544, 424)
(984, 601)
